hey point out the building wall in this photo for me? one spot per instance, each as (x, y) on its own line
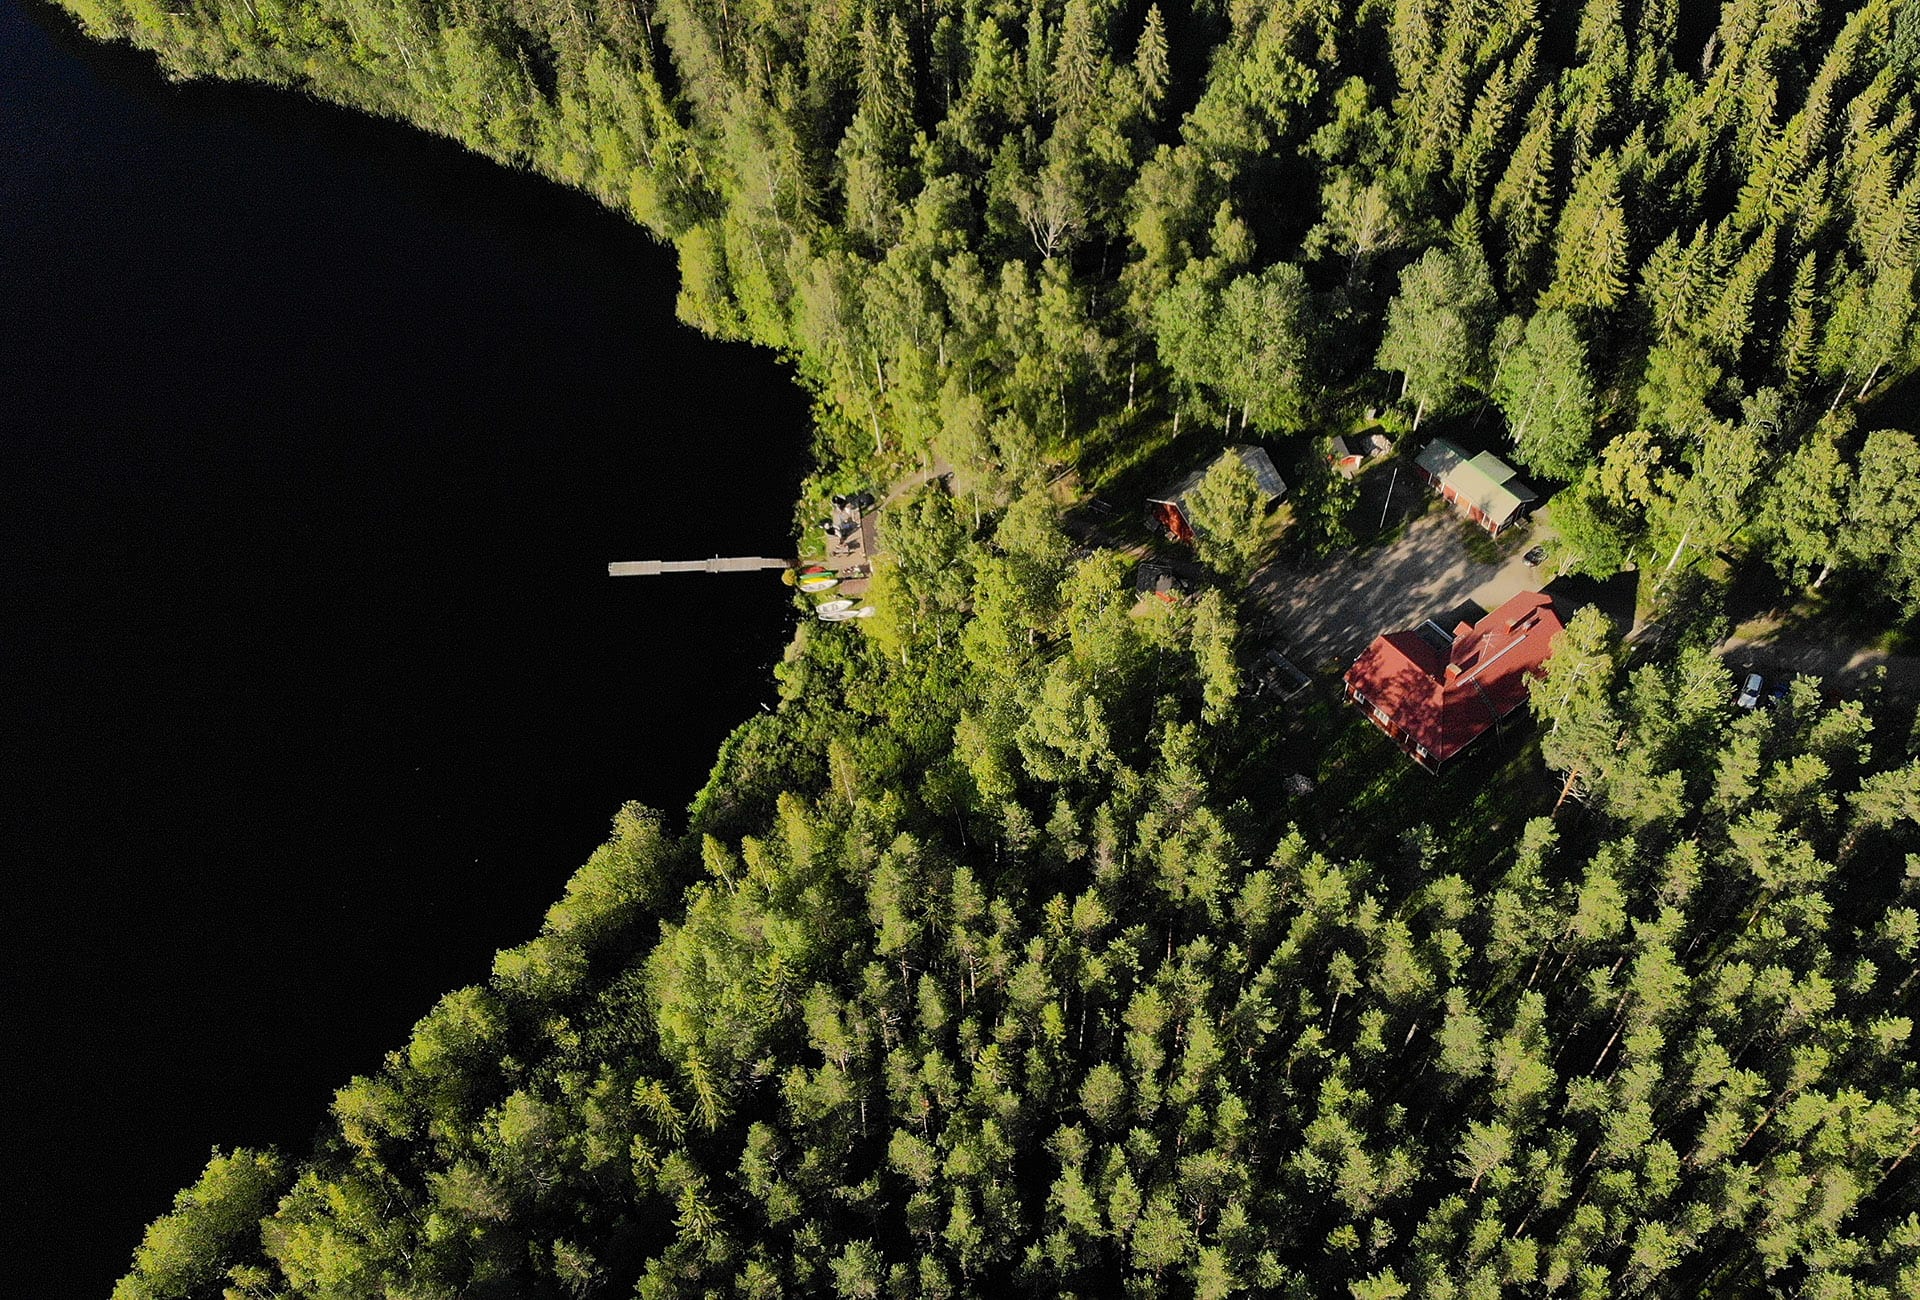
(1473, 512)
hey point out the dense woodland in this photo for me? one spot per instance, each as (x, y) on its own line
(997, 961)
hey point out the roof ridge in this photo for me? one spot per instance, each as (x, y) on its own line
(1512, 641)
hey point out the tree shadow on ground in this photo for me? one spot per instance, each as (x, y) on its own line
(1370, 800)
(1848, 607)
(1615, 595)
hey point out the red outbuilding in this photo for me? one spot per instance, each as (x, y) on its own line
(1169, 510)
(1435, 692)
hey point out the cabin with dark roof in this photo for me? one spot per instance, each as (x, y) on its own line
(1169, 510)
(1435, 691)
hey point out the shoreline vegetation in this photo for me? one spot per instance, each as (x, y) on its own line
(1009, 955)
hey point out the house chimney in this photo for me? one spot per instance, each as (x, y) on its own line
(1453, 671)
(1461, 628)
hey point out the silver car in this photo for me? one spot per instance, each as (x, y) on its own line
(1749, 697)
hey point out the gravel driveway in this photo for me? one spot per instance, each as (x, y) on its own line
(1844, 664)
(1330, 613)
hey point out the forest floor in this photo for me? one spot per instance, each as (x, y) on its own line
(1430, 564)
(928, 472)
(1370, 801)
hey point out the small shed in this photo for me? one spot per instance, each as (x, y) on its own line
(1169, 510)
(1348, 454)
(1485, 486)
(1279, 675)
(1152, 578)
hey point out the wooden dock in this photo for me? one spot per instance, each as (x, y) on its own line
(718, 564)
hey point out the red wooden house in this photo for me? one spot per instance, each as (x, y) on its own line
(1435, 692)
(1485, 486)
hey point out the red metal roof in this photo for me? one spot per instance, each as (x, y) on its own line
(1443, 700)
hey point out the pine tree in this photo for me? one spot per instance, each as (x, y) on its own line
(1487, 126)
(1522, 200)
(1573, 701)
(1800, 341)
(1803, 507)
(1150, 65)
(1591, 242)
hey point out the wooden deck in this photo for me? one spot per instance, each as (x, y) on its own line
(718, 564)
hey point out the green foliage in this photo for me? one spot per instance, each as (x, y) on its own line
(1592, 243)
(1248, 344)
(1595, 531)
(214, 1223)
(1228, 511)
(1323, 504)
(1804, 506)
(1543, 388)
(1884, 509)
(1819, 513)
(1573, 700)
(1438, 327)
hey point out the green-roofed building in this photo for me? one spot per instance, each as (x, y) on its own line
(1484, 486)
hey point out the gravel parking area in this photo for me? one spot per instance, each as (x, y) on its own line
(1329, 614)
(1843, 665)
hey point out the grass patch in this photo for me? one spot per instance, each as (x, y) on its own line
(1482, 548)
(1386, 537)
(1371, 800)
(1901, 640)
(1844, 612)
(1485, 549)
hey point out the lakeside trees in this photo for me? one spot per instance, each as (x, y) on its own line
(186, 1252)
(1031, 997)
(1675, 213)
(993, 960)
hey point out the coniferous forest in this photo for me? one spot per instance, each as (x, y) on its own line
(999, 960)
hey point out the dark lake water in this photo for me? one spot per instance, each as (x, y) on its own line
(315, 437)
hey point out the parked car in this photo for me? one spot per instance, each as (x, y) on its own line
(1750, 692)
(1535, 555)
